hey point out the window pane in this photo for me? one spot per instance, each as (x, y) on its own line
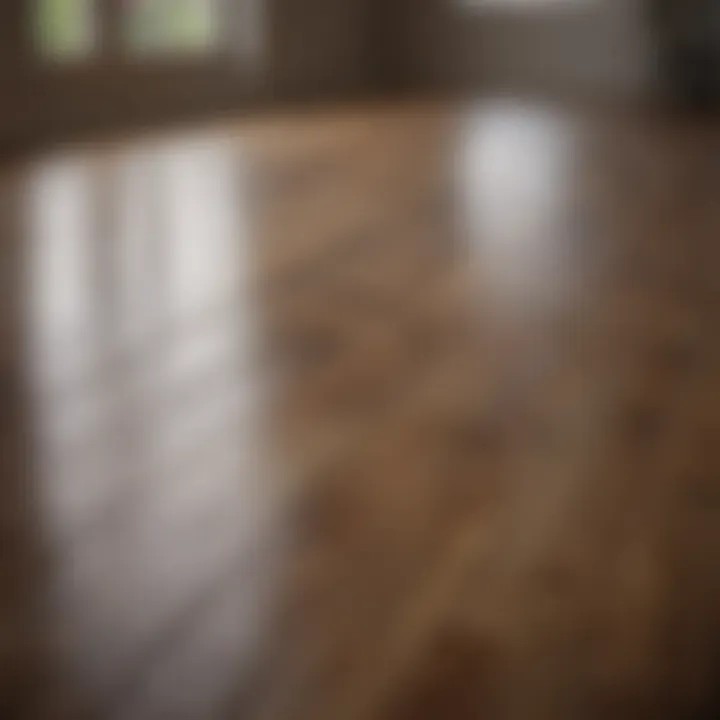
(171, 26)
(66, 28)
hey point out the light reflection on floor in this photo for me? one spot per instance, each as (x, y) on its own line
(363, 443)
(518, 168)
(148, 414)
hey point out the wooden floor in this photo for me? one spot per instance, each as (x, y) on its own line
(394, 414)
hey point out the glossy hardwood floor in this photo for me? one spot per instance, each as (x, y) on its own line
(392, 414)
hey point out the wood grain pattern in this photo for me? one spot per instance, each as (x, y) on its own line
(399, 413)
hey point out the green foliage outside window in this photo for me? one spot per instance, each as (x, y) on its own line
(170, 26)
(66, 28)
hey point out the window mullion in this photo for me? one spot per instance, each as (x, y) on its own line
(111, 30)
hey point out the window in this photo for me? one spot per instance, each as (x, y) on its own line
(66, 29)
(171, 26)
(73, 30)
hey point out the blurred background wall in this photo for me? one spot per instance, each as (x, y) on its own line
(588, 46)
(328, 50)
